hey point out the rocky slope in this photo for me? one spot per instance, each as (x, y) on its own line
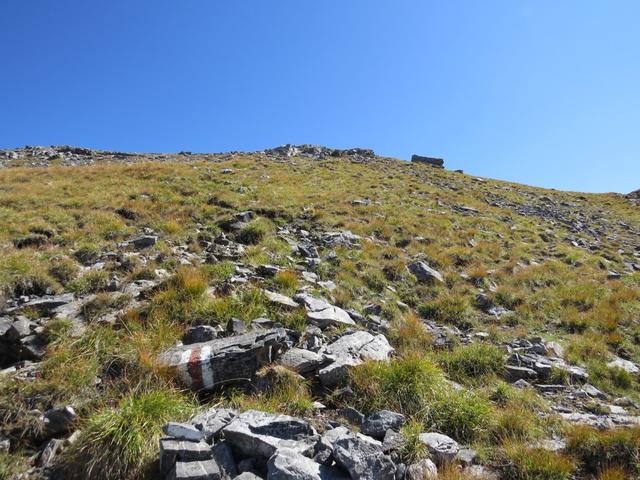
(311, 313)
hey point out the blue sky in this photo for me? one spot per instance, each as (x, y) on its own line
(544, 92)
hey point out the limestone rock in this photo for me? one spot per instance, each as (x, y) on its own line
(377, 424)
(202, 366)
(441, 446)
(424, 273)
(291, 465)
(351, 350)
(261, 434)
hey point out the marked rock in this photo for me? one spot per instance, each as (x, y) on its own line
(202, 366)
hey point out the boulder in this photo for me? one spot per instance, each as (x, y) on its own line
(377, 424)
(351, 350)
(202, 366)
(424, 469)
(291, 465)
(424, 273)
(364, 460)
(260, 434)
(441, 446)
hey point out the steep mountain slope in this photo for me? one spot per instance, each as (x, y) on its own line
(504, 316)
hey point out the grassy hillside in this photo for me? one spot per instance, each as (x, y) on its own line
(518, 262)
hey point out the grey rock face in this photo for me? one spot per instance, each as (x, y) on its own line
(351, 350)
(223, 456)
(202, 366)
(433, 161)
(424, 273)
(441, 446)
(377, 424)
(290, 465)
(261, 434)
(364, 460)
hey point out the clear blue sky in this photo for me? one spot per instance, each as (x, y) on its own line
(544, 92)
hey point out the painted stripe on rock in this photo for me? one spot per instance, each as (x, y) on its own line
(205, 367)
(183, 367)
(195, 370)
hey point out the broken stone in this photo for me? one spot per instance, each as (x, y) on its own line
(514, 373)
(280, 299)
(183, 431)
(213, 421)
(376, 425)
(172, 451)
(424, 469)
(424, 273)
(260, 434)
(195, 470)
(288, 464)
(364, 460)
(323, 314)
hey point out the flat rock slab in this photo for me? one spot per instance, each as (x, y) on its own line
(280, 299)
(260, 434)
(202, 366)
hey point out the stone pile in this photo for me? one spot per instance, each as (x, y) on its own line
(226, 444)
